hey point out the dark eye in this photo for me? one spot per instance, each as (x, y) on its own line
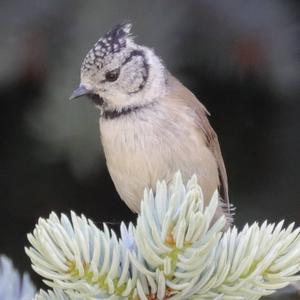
(112, 75)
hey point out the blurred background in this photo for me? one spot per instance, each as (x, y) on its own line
(240, 58)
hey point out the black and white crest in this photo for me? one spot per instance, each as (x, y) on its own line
(112, 42)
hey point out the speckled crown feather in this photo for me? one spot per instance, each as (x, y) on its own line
(112, 42)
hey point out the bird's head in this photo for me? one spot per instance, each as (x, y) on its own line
(118, 74)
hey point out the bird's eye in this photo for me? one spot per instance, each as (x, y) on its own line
(112, 75)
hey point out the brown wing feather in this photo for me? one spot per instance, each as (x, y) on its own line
(209, 134)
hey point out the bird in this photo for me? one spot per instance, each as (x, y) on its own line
(151, 125)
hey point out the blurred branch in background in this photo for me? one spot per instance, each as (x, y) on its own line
(13, 286)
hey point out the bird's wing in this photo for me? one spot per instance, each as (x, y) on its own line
(209, 134)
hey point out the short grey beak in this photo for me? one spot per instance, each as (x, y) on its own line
(80, 91)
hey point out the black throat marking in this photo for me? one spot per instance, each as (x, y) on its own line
(110, 114)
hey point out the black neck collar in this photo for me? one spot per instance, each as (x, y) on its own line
(110, 114)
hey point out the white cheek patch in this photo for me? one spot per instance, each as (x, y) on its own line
(133, 75)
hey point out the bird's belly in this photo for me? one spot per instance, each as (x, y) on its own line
(133, 172)
(136, 161)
